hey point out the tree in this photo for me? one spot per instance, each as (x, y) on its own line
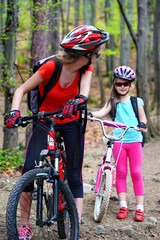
(156, 51)
(1, 34)
(42, 31)
(86, 12)
(109, 7)
(76, 6)
(10, 139)
(93, 11)
(140, 41)
(54, 15)
(125, 37)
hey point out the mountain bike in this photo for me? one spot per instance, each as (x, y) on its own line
(105, 174)
(42, 194)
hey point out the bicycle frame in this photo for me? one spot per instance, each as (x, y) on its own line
(54, 151)
(106, 165)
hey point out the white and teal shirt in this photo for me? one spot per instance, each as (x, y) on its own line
(125, 114)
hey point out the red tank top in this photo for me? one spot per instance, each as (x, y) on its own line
(58, 96)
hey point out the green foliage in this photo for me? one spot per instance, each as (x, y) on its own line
(92, 101)
(86, 165)
(11, 158)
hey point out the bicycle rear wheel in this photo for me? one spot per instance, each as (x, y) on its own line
(46, 230)
(103, 196)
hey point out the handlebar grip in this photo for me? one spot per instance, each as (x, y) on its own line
(82, 106)
(21, 122)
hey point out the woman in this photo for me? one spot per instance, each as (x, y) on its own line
(81, 49)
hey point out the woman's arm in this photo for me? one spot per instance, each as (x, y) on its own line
(85, 83)
(30, 84)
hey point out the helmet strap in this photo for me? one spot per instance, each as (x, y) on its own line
(87, 65)
(123, 94)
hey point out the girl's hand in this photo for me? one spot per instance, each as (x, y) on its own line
(89, 115)
(142, 127)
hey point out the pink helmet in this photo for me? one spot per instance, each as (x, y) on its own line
(84, 39)
(124, 72)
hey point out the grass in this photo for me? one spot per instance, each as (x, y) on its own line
(11, 158)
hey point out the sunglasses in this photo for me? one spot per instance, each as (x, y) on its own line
(120, 84)
(97, 54)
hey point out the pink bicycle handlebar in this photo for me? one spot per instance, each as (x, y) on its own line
(114, 124)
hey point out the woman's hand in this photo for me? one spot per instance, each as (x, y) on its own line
(11, 118)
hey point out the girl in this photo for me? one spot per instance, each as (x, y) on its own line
(132, 141)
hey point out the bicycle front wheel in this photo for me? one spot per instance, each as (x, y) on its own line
(23, 206)
(103, 196)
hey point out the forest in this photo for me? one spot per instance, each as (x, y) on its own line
(31, 30)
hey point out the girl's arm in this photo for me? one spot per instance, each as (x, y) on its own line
(142, 118)
(30, 84)
(142, 115)
(103, 111)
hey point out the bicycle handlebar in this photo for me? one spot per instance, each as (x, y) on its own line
(40, 115)
(113, 124)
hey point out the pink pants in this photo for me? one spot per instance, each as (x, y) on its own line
(134, 152)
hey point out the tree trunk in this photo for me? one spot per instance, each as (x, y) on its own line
(93, 11)
(76, 6)
(10, 139)
(54, 28)
(40, 41)
(1, 31)
(100, 78)
(39, 48)
(142, 86)
(125, 37)
(156, 51)
(111, 58)
(86, 12)
(141, 62)
(122, 38)
(149, 48)
(67, 16)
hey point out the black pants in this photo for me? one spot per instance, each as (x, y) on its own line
(74, 145)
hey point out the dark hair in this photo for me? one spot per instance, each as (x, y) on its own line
(113, 100)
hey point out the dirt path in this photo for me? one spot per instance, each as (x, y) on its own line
(110, 227)
(125, 229)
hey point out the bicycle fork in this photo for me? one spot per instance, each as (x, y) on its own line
(103, 167)
(53, 177)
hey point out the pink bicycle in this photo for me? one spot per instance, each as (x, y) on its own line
(105, 174)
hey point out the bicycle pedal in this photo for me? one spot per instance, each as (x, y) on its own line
(34, 196)
(93, 188)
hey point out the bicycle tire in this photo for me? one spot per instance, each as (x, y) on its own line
(50, 231)
(62, 223)
(103, 196)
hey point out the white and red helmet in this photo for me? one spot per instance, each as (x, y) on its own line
(124, 72)
(84, 39)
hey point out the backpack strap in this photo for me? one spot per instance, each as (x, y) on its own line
(53, 80)
(135, 106)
